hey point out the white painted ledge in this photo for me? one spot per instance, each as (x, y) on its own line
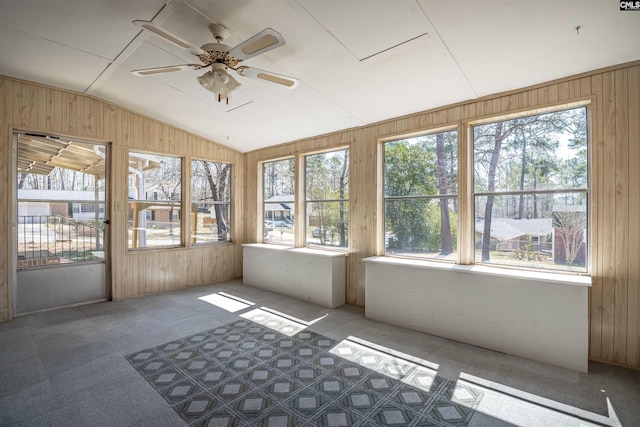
(312, 275)
(541, 276)
(537, 315)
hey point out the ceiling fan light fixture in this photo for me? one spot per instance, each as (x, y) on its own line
(223, 76)
(219, 82)
(222, 58)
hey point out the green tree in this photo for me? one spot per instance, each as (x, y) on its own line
(327, 190)
(410, 170)
(445, 222)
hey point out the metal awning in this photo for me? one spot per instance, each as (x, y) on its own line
(39, 154)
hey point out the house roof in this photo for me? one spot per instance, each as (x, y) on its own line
(278, 207)
(510, 228)
(282, 202)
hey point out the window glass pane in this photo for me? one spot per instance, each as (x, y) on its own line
(163, 229)
(327, 176)
(538, 160)
(328, 224)
(279, 231)
(278, 182)
(424, 165)
(327, 193)
(210, 201)
(415, 227)
(155, 190)
(541, 152)
(555, 238)
(60, 209)
(51, 232)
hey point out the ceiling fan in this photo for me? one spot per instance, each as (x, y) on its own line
(221, 57)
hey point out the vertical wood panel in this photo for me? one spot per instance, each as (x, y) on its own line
(621, 216)
(6, 114)
(57, 111)
(33, 107)
(363, 211)
(553, 93)
(70, 123)
(118, 170)
(608, 197)
(563, 91)
(533, 98)
(6, 106)
(24, 94)
(109, 122)
(49, 110)
(597, 188)
(543, 95)
(574, 89)
(42, 104)
(633, 293)
(585, 86)
(465, 196)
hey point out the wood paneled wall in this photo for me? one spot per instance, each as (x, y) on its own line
(33, 107)
(614, 94)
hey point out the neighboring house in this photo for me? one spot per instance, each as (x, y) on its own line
(508, 234)
(160, 213)
(155, 192)
(561, 237)
(36, 205)
(279, 208)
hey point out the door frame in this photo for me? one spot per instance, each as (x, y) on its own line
(12, 244)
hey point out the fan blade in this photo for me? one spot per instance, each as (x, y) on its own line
(150, 26)
(169, 69)
(262, 42)
(258, 74)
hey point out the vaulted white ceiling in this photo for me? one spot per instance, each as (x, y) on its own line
(358, 61)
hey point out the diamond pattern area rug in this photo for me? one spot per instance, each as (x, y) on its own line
(268, 371)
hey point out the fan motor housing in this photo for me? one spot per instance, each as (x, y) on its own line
(219, 31)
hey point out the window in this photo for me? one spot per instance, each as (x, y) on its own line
(154, 186)
(531, 191)
(420, 205)
(210, 201)
(87, 207)
(327, 198)
(278, 186)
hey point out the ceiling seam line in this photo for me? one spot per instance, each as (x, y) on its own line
(118, 59)
(453, 58)
(327, 30)
(393, 47)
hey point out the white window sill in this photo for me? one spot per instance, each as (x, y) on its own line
(308, 251)
(542, 276)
